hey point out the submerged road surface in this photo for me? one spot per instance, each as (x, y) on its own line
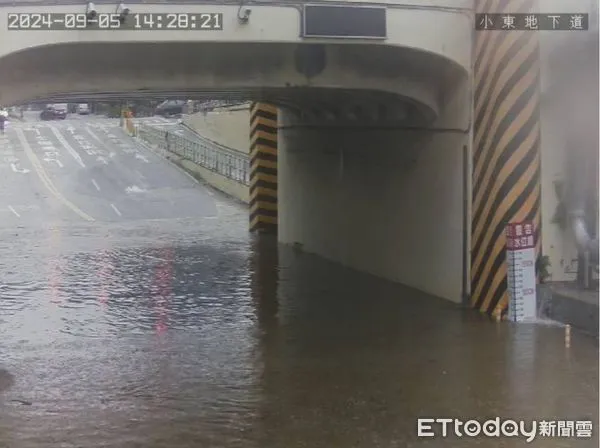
(137, 311)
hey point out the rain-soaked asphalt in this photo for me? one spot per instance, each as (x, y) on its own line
(136, 311)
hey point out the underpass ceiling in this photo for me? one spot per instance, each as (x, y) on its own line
(222, 61)
(316, 105)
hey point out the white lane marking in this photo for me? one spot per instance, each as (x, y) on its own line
(115, 209)
(96, 184)
(10, 207)
(37, 166)
(94, 136)
(66, 145)
(134, 189)
(141, 157)
(17, 170)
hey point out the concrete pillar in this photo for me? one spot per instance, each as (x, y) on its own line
(263, 168)
(506, 149)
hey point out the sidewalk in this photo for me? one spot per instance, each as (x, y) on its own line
(570, 305)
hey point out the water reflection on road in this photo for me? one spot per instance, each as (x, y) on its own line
(179, 342)
(191, 333)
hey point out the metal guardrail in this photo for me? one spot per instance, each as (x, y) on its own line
(227, 163)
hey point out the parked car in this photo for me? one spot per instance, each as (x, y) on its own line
(83, 109)
(170, 108)
(62, 110)
(54, 112)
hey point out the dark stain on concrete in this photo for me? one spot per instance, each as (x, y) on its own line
(6, 379)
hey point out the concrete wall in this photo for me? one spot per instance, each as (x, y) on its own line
(230, 128)
(386, 203)
(557, 243)
(389, 202)
(228, 186)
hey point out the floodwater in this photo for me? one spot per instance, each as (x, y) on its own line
(190, 332)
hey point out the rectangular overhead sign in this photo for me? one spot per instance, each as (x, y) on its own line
(344, 22)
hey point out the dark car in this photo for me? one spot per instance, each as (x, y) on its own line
(53, 113)
(170, 108)
(47, 114)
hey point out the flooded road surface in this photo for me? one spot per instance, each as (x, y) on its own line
(136, 311)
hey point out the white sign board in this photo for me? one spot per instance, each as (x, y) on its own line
(520, 259)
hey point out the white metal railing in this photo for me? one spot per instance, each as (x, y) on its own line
(219, 159)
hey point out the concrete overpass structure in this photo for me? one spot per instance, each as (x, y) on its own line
(402, 155)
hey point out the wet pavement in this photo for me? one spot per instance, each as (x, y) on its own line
(137, 311)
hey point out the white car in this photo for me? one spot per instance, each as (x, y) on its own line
(83, 109)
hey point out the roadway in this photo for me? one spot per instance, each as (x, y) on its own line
(88, 169)
(198, 332)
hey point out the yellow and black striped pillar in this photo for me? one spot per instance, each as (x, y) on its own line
(506, 150)
(263, 168)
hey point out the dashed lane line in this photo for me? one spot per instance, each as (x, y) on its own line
(39, 169)
(12, 209)
(114, 207)
(66, 145)
(94, 136)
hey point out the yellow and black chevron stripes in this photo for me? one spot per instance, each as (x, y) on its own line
(263, 168)
(506, 150)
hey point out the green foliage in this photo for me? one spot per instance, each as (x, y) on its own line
(560, 216)
(542, 268)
